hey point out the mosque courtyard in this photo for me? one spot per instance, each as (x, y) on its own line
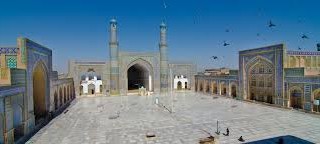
(128, 119)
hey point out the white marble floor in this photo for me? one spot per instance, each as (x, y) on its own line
(87, 121)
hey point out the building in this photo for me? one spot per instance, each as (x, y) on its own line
(30, 91)
(126, 72)
(270, 75)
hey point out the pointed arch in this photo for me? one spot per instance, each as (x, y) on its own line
(316, 96)
(296, 97)
(260, 74)
(40, 91)
(139, 72)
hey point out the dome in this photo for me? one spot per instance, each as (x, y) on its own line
(163, 24)
(113, 20)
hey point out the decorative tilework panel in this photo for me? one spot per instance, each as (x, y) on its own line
(9, 50)
(11, 61)
(307, 93)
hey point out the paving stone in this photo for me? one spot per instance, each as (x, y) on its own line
(87, 121)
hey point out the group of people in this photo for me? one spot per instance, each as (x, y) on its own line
(227, 134)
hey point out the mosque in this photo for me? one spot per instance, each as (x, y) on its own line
(32, 93)
(270, 75)
(126, 72)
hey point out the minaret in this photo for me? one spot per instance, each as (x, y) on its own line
(163, 58)
(114, 60)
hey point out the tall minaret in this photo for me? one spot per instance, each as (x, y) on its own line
(163, 58)
(114, 60)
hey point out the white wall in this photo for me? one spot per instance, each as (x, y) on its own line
(182, 80)
(94, 81)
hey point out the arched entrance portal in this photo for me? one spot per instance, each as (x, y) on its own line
(261, 80)
(39, 92)
(296, 98)
(316, 97)
(234, 91)
(179, 85)
(138, 75)
(223, 88)
(214, 87)
(91, 89)
(55, 100)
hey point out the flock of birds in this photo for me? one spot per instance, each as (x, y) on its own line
(270, 25)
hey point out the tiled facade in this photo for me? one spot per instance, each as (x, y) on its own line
(271, 75)
(114, 73)
(25, 103)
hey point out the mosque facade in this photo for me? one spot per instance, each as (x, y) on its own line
(126, 72)
(30, 91)
(270, 75)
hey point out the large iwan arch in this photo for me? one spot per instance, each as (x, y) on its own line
(40, 91)
(139, 73)
(260, 73)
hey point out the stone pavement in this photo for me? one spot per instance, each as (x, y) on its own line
(87, 121)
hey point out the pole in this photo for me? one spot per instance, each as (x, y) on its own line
(218, 132)
(171, 89)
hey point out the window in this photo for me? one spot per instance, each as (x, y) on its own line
(11, 61)
(261, 83)
(253, 81)
(261, 70)
(269, 83)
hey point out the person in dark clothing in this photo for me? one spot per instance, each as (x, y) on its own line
(227, 132)
(241, 139)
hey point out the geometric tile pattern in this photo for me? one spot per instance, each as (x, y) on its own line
(11, 61)
(9, 50)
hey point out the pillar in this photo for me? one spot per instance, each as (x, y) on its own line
(163, 59)
(114, 59)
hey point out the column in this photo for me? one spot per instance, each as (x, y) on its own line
(219, 87)
(150, 83)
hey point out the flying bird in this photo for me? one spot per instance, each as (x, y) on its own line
(271, 24)
(304, 36)
(227, 30)
(299, 48)
(258, 34)
(214, 57)
(164, 4)
(225, 43)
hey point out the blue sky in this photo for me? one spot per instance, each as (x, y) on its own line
(77, 29)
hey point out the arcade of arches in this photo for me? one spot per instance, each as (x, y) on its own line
(63, 94)
(217, 87)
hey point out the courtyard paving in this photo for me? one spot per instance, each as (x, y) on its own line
(127, 119)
